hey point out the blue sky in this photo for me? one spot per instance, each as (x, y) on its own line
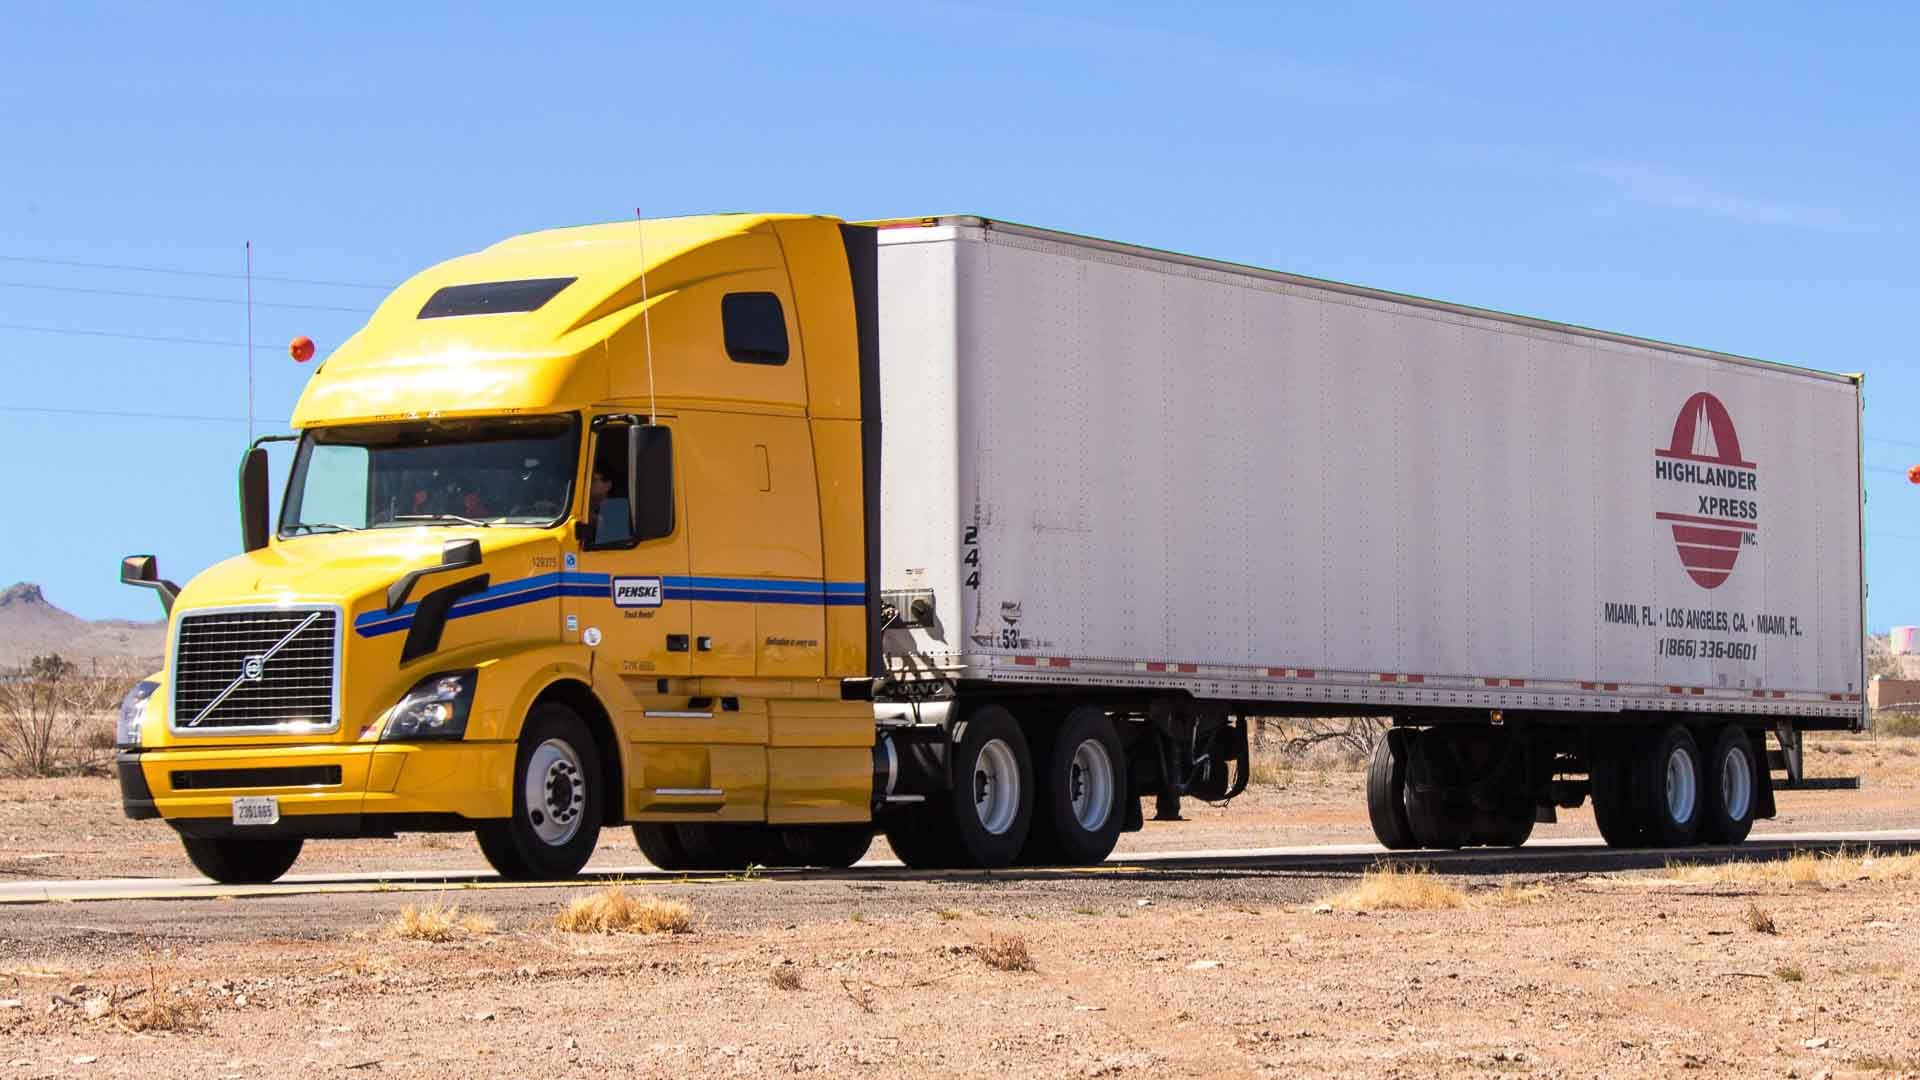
(1738, 177)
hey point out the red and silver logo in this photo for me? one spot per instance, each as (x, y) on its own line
(1706, 491)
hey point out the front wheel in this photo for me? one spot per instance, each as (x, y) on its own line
(243, 860)
(558, 800)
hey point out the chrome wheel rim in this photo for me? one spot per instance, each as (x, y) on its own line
(1681, 784)
(996, 787)
(1090, 785)
(1736, 784)
(556, 794)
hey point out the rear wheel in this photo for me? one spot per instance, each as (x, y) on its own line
(833, 846)
(661, 846)
(557, 800)
(243, 860)
(1081, 776)
(1387, 792)
(992, 800)
(921, 835)
(1663, 786)
(1431, 773)
(1730, 781)
(716, 846)
(1608, 756)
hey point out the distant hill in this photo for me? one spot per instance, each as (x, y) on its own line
(30, 626)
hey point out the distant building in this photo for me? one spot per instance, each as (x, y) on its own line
(1902, 640)
(1885, 693)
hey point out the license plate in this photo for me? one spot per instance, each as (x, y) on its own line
(256, 810)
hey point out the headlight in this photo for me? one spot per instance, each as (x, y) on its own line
(436, 708)
(133, 709)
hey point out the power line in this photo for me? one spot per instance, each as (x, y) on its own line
(76, 331)
(179, 272)
(127, 414)
(174, 296)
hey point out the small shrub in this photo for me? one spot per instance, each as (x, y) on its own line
(1005, 953)
(949, 915)
(1790, 973)
(1760, 920)
(784, 977)
(1392, 887)
(157, 1008)
(613, 910)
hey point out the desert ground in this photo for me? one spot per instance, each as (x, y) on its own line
(1514, 965)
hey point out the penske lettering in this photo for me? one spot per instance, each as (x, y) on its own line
(636, 592)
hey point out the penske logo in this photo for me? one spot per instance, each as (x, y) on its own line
(1706, 492)
(636, 592)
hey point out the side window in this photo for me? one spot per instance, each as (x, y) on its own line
(607, 495)
(755, 328)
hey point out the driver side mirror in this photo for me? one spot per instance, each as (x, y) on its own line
(650, 481)
(143, 571)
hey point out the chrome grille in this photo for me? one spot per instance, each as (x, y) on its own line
(256, 669)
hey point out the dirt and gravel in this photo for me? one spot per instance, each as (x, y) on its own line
(1184, 971)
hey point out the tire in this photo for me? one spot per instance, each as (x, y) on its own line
(1663, 786)
(1609, 755)
(1729, 788)
(1081, 780)
(1387, 792)
(991, 804)
(558, 803)
(1430, 771)
(1509, 826)
(716, 846)
(243, 860)
(835, 847)
(919, 837)
(661, 846)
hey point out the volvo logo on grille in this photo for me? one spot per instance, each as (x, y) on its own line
(253, 668)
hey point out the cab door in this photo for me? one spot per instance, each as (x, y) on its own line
(616, 595)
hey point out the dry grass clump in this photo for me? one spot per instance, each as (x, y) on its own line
(784, 977)
(1760, 920)
(1393, 887)
(613, 910)
(1801, 868)
(1790, 973)
(437, 923)
(1512, 894)
(1005, 953)
(154, 1007)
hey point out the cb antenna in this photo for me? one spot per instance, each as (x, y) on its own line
(646, 317)
(249, 341)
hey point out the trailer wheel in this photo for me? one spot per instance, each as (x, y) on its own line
(1082, 777)
(243, 860)
(1663, 786)
(557, 801)
(992, 799)
(1508, 826)
(661, 846)
(1610, 754)
(1730, 787)
(1431, 772)
(1387, 792)
(835, 847)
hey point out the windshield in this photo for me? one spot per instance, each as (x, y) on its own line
(491, 471)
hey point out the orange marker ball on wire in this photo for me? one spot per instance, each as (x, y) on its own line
(301, 349)
(1913, 475)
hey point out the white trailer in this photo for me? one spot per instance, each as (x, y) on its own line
(1183, 492)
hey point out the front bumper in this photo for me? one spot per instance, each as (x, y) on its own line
(373, 789)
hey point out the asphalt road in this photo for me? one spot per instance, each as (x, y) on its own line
(1546, 856)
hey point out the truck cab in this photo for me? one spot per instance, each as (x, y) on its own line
(575, 535)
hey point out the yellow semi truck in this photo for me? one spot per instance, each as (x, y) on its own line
(600, 526)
